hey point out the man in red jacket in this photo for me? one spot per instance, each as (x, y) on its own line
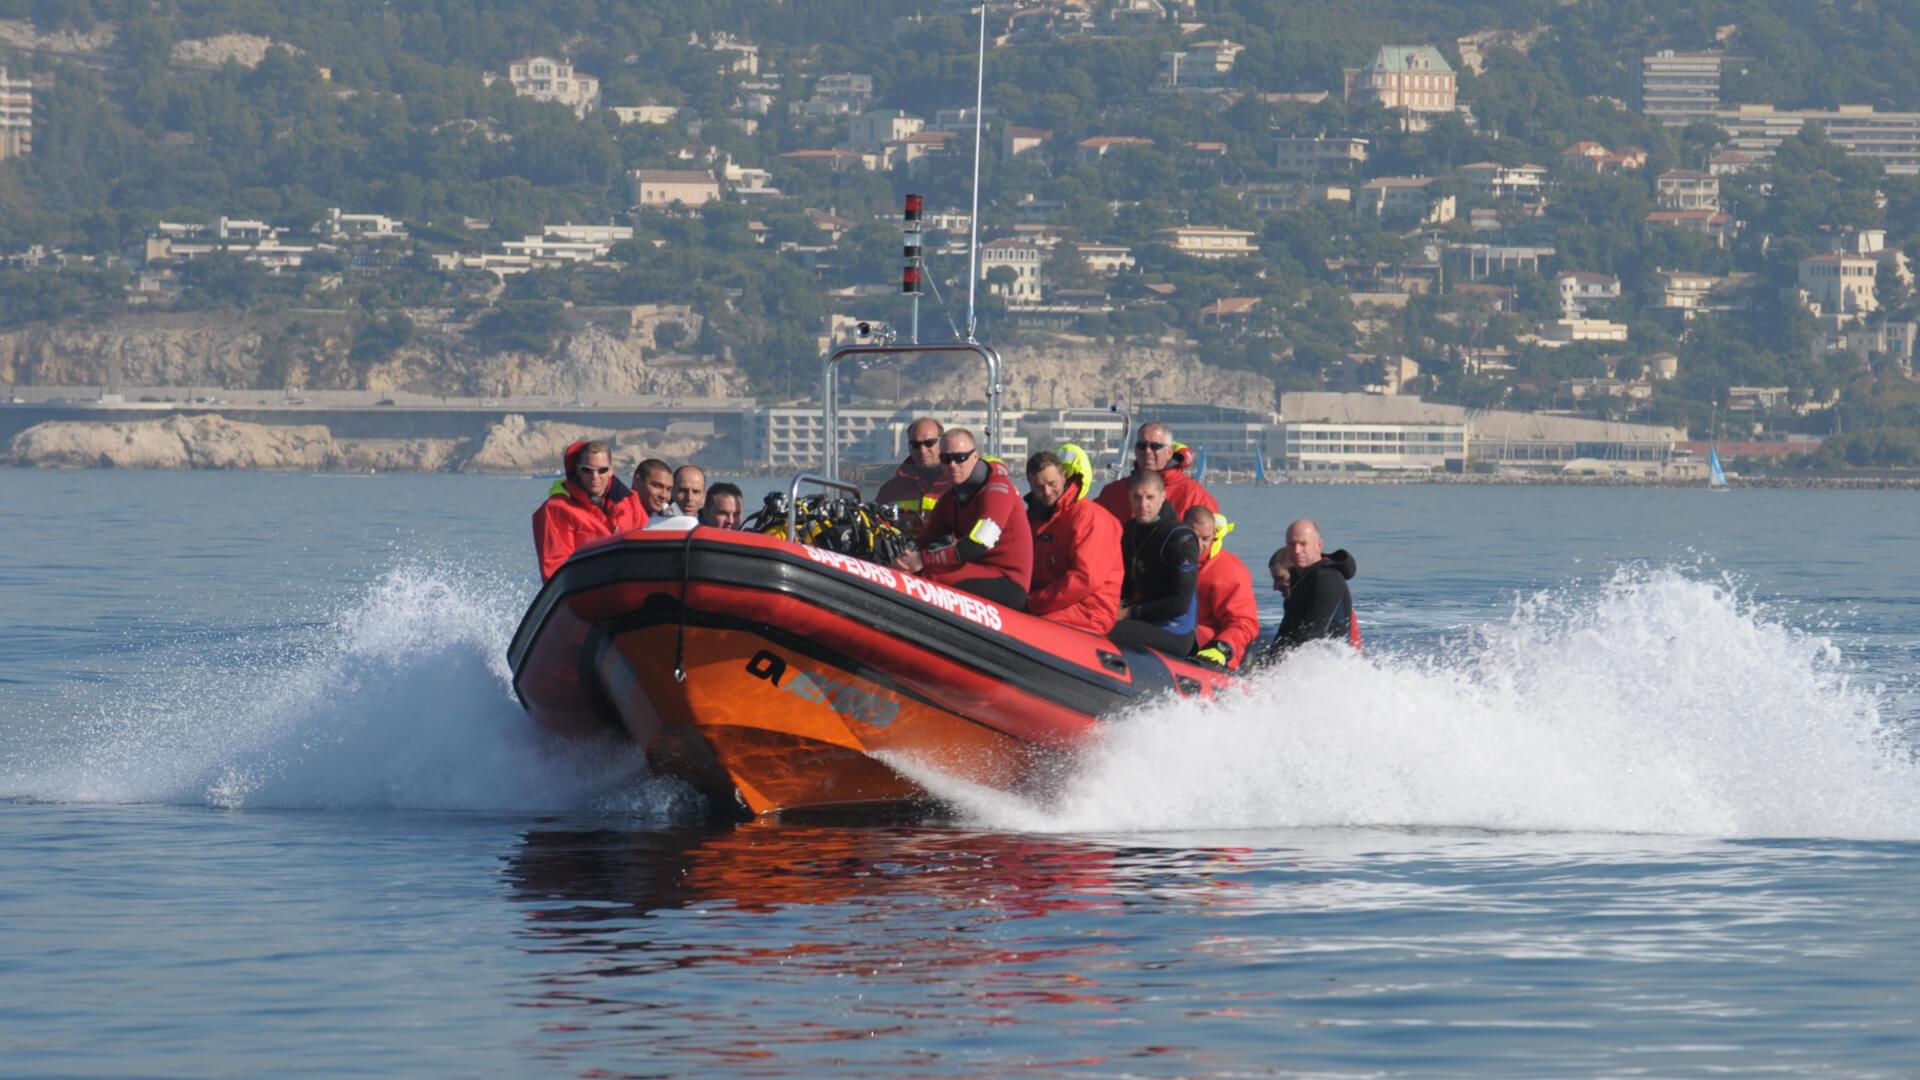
(1229, 616)
(1077, 568)
(587, 503)
(977, 537)
(1156, 450)
(920, 480)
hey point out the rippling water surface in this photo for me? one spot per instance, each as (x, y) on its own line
(1625, 785)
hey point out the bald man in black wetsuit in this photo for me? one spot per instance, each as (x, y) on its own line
(1319, 604)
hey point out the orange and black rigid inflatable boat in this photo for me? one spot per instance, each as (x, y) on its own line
(786, 677)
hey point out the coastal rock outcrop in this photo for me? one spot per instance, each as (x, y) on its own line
(160, 351)
(247, 50)
(177, 442)
(215, 442)
(1064, 371)
(594, 360)
(514, 445)
(190, 350)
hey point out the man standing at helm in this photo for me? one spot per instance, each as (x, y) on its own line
(1155, 451)
(587, 503)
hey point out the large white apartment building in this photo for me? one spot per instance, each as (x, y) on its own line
(794, 438)
(1893, 137)
(1324, 446)
(1678, 88)
(16, 116)
(1354, 432)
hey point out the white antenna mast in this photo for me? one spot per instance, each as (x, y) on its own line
(979, 121)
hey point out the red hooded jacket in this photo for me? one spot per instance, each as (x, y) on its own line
(1077, 569)
(990, 532)
(1183, 491)
(569, 517)
(913, 491)
(1229, 614)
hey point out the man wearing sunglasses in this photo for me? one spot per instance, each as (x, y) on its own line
(1155, 451)
(920, 481)
(976, 538)
(586, 503)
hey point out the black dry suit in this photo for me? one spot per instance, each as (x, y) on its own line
(1163, 571)
(1319, 605)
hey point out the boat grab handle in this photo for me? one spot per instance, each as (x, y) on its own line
(793, 496)
(686, 582)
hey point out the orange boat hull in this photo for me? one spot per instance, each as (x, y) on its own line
(786, 678)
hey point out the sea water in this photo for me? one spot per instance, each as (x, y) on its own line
(1624, 785)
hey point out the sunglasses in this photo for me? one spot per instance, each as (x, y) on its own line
(1144, 445)
(597, 470)
(922, 444)
(956, 457)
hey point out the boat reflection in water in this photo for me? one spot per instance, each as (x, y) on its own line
(775, 946)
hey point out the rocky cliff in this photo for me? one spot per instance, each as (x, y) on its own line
(214, 442)
(159, 351)
(1063, 371)
(314, 352)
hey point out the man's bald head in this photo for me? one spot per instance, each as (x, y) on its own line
(1303, 543)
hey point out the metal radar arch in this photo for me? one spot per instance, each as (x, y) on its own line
(911, 277)
(990, 438)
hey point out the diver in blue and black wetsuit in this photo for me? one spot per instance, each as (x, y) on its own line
(1162, 557)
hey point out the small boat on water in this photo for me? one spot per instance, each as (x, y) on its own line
(782, 677)
(787, 676)
(1716, 476)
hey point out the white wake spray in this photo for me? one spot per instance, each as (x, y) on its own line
(1655, 704)
(402, 700)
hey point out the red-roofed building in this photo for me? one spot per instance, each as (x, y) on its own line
(1024, 141)
(1587, 156)
(1090, 151)
(1715, 226)
(1229, 309)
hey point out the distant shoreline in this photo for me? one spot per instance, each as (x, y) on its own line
(1834, 482)
(1910, 481)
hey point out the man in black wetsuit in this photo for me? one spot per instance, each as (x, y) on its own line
(1319, 604)
(1162, 557)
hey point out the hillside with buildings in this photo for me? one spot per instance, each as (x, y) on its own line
(1687, 222)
